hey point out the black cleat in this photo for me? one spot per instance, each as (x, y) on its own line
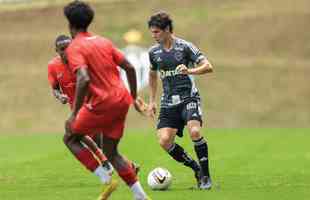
(198, 176)
(205, 183)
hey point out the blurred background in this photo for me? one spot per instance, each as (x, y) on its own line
(259, 48)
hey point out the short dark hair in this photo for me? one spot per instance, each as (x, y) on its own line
(161, 20)
(62, 38)
(79, 14)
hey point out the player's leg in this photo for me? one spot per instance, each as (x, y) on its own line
(194, 122)
(201, 149)
(93, 147)
(170, 124)
(98, 139)
(85, 124)
(124, 167)
(166, 137)
(86, 157)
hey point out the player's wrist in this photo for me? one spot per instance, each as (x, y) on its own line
(151, 102)
(191, 71)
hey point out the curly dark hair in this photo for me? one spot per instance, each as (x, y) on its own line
(161, 20)
(79, 14)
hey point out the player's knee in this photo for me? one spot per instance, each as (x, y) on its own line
(195, 133)
(165, 142)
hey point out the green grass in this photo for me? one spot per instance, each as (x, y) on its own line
(246, 164)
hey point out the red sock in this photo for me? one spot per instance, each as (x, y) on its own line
(87, 159)
(128, 175)
(100, 155)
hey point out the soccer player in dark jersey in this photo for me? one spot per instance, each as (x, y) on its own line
(177, 61)
(101, 99)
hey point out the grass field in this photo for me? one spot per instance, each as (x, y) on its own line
(246, 164)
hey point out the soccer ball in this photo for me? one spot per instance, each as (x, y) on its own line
(159, 179)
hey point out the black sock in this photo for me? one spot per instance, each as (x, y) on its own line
(178, 154)
(201, 148)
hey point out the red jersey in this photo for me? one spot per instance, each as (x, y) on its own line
(99, 56)
(60, 75)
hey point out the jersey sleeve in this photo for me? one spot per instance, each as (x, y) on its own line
(51, 76)
(154, 65)
(76, 58)
(194, 54)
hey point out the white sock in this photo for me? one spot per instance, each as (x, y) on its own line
(138, 191)
(104, 175)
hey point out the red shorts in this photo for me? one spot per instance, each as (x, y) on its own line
(109, 122)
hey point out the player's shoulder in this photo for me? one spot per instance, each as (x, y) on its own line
(155, 49)
(180, 42)
(97, 39)
(56, 61)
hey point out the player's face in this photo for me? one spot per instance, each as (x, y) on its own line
(158, 34)
(60, 49)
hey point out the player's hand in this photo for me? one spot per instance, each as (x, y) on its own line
(152, 109)
(141, 106)
(182, 69)
(63, 98)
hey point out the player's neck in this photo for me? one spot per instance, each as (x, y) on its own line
(168, 43)
(75, 32)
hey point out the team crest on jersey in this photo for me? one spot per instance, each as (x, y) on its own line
(178, 55)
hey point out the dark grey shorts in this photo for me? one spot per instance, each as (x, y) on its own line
(178, 116)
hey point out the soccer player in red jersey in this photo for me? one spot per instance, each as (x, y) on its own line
(101, 99)
(63, 87)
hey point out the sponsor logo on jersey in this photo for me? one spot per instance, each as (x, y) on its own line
(168, 73)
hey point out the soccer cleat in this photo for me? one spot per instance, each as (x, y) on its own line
(107, 166)
(107, 190)
(205, 183)
(198, 176)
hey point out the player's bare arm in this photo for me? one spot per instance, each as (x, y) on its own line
(139, 104)
(82, 81)
(153, 77)
(131, 76)
(203, 67)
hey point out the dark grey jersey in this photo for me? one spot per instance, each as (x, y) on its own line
(177, 87)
